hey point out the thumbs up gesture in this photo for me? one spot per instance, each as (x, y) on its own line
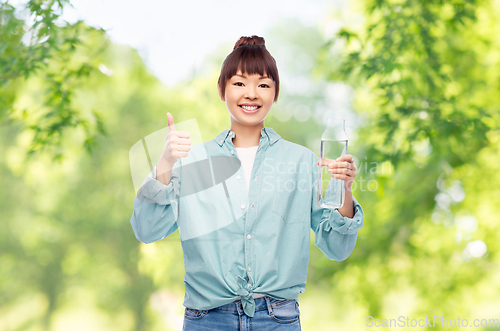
(178, 143)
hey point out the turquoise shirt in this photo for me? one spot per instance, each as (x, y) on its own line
(236, 243)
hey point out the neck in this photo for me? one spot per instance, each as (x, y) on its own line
(246, 136)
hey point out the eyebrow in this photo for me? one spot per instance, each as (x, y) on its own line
(261, 77)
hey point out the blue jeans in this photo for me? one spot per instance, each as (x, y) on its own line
(270, 314)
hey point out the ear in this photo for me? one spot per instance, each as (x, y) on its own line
(219, 90)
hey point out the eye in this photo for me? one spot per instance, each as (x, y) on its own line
(265, 85)
(238, 83)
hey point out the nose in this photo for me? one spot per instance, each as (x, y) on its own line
(251, 92)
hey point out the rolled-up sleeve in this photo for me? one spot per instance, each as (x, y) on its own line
(335, 235)
(156, 207)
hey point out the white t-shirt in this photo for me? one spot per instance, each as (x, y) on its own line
(247, 157)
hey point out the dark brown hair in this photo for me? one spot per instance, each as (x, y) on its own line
(251, 57)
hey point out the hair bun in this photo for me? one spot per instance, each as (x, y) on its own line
(253, 40)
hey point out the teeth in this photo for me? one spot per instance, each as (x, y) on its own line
(250, 108)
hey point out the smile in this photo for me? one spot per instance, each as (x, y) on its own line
(250, 110)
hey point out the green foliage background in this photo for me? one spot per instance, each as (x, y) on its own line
(425, 78)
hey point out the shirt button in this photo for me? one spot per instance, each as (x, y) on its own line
(253, 205)
(255, 178)
(238, 177)
(249, 269)
(232, 152)
(221, 141)
(271, 139)
(242, 206)
(249, 236)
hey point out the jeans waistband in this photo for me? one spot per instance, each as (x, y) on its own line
(260, 303)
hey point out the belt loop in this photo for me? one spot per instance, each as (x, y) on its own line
(238, 303)
(268, 303)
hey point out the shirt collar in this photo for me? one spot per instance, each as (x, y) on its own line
(264, 132)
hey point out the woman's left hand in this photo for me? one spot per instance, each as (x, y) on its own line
(342, 168)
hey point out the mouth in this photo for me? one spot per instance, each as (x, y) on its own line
(249, 109)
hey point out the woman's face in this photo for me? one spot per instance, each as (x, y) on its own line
(249, 98)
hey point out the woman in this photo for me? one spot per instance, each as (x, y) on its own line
(244, 204)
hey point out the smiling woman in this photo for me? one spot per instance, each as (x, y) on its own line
(246, 268)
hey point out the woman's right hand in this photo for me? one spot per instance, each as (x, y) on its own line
(178, 143)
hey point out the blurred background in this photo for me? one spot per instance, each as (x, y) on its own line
(417, 81)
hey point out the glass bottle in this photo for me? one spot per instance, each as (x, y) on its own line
(331, 191)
